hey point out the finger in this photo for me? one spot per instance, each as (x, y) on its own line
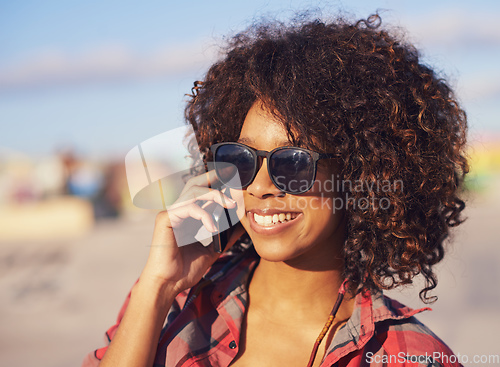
(218, 197)
(192, 211)
(198, 193)
(206, 179)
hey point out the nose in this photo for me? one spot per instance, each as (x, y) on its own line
(262, 186)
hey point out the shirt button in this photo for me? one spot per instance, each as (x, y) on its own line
(232, 345)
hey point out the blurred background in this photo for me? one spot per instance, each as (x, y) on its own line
(83, 82)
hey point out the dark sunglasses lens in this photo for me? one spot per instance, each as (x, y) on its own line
(231, 160)
(292, 170)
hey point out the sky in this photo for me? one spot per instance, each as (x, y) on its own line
(103, 76)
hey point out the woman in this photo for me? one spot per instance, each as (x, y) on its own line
(350, 159)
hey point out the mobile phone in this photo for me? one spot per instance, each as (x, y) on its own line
(221, 218)
(227, 223)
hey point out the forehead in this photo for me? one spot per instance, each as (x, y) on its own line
(262, 130)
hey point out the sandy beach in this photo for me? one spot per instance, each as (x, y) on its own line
(58, 296)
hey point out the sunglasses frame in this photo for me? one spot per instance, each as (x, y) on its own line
(267, 154)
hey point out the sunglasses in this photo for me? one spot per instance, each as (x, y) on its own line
(291, 169)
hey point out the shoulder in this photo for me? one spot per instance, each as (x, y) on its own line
(398, 333)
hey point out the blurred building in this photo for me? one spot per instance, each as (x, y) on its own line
(57, 196)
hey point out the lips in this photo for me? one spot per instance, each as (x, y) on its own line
(269, 220)
(272, 221)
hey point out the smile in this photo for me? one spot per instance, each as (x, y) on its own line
(269, 220)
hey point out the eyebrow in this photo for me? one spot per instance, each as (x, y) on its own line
(250, 142)
(243, 140)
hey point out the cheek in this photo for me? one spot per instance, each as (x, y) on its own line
(325, 205)
(328, 205)
(327, 183)
(324, 219)
(325, 209)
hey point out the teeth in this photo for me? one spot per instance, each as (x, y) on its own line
(268, 220)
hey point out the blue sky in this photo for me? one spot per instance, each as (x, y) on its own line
(103, 76)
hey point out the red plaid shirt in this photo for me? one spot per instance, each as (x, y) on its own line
(206, 330)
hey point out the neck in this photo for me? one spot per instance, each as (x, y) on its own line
(302, 287)
(295, 287)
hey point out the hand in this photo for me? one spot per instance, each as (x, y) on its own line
(180, 268)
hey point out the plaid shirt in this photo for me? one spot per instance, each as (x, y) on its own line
(205, 330)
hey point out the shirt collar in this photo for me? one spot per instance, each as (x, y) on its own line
(369, 308)
(230, 297)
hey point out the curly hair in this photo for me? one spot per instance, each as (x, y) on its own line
(354, 89)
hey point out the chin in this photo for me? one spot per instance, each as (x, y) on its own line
(277, 250)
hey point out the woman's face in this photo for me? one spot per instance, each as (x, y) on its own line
(310, 226)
